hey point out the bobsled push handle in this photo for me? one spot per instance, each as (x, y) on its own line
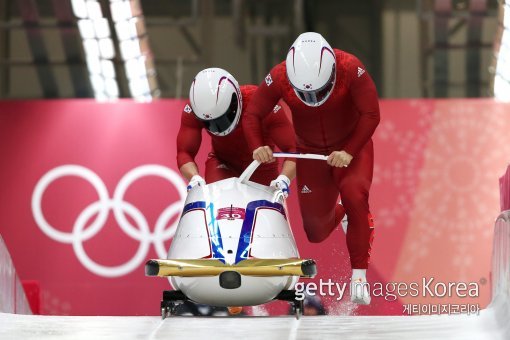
(300, 155)
(245, 176)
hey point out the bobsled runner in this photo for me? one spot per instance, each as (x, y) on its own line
(233, 246)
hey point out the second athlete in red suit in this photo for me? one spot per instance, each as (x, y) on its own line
(217, 104)
(335, 112)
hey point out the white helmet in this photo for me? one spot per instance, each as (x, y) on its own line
(216, 100)
(311, 68)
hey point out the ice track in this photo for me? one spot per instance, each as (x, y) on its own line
(484, 326)
(493, 323)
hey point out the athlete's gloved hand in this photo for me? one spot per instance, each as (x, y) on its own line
(282, 183)
(196, 180)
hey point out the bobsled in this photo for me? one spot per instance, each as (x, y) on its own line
(233, 246)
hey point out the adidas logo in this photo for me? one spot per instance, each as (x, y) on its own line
(360, 71)
(277, 108)
(305, 190)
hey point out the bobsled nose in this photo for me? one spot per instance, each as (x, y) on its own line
(309, 268)
(151, 268)
(230, 280)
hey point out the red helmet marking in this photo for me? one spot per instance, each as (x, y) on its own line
(322, 52)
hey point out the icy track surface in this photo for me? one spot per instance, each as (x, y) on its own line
(490, 324)
(493, 323)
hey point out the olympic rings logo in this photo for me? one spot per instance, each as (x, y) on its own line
(101, 208)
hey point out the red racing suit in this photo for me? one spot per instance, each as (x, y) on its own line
(230, 154)
(345, 121)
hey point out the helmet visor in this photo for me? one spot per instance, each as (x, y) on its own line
(317, 97)
(223, 122)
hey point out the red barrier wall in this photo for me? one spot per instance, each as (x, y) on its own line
(434, 197)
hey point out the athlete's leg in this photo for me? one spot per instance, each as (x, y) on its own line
(317, 196)
(354, 185)
(339, 214)
(215, 170)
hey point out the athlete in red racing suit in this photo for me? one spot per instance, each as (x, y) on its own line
(230, 153)
(338, 124)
